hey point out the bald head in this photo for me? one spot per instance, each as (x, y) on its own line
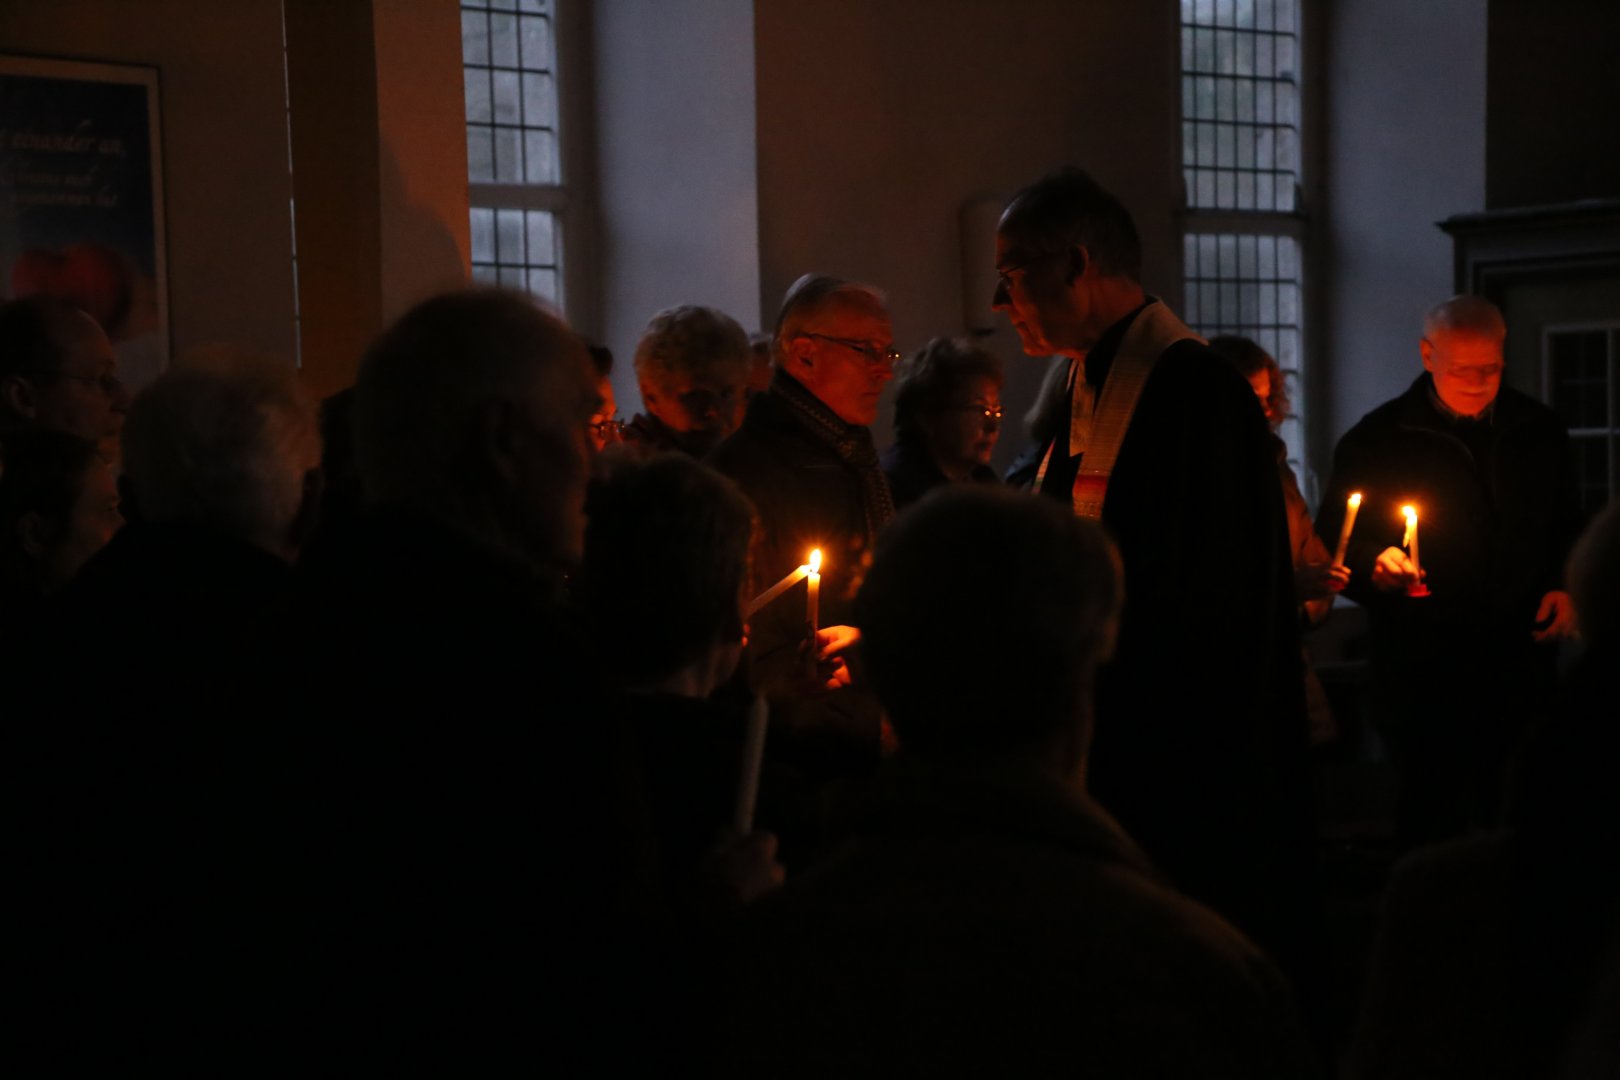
(834, 337)
(814, 296)
(1067, 209)
(58, 372)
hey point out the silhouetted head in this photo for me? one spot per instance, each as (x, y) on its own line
(1264, 374)
(984, 617)
(474, 408)
(666, 565)
(1069, 262)
(228, 441)
(58, 372)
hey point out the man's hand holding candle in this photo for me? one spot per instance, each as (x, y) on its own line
(833, 645)
(1394, 571)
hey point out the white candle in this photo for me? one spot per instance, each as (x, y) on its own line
(1350, 511)
(814, 596)
(776, 590)
(752, 757)
(1410, 541)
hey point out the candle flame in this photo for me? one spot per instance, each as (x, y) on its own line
(815, 561)
(1355, 498)
(1410, 513)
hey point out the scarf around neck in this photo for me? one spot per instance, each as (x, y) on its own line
(850, 442)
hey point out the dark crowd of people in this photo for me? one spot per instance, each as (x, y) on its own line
(421, 733)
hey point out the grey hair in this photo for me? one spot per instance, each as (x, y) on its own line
(225, 439)
(812, 294)
(693, 340)
(1468, 314)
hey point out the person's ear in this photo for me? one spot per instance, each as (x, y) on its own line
(500, 437)
(1078, 261)
(18, 396)
(35, 535)
(800, 352)
(1426, 347)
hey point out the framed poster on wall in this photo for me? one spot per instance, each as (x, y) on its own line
(81, 198)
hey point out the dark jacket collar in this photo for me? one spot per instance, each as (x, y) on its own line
(386, 546)
(653, 434)
(812, 412)
(174, 557)
(1419, 409)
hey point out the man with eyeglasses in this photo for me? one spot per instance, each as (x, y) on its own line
(804, 455)
(1459, 673)
(1200, 748)
(58, 373)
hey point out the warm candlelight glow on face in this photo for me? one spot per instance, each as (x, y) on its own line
(815, 561)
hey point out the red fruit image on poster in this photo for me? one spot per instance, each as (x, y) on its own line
(81, 214)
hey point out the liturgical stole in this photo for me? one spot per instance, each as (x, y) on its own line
(1153, 331)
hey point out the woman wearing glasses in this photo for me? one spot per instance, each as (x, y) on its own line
(947, 416)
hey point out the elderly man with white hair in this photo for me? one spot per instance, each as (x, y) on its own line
(1463, 615)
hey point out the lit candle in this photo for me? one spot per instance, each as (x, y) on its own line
(1410, 543)
(1350, 510)
(753, 756)
(777, 590)
(814, 597)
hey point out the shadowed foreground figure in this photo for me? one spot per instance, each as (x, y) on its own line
(458, 847)
(1500, 952)
(144, 782)
(986, 917)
